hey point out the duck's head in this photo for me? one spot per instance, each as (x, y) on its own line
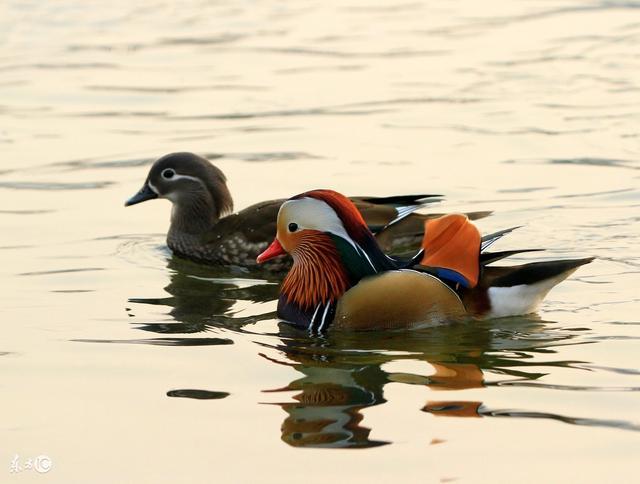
(331, 246)
(312, 217)
(186, 178)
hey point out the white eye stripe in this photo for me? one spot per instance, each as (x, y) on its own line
(183, 177)
(173, 196)
(312, 214)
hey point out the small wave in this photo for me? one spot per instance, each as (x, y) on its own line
(400, 53)
(72, 291)
(55, 185)
(59, 66)
(163, 341)
(61, 271)
(608, 162)
(119, 114)
(589, 422)
(174, 89)
(212, 40)
(26, 212)
(102, 162)
(273, 156)
(550, 386)
(583, 161)
(143, 250)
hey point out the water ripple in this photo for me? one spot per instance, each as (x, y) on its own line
(55, 185)
(163, 341)
(61, 271)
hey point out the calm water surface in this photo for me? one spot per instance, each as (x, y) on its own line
(125, 364)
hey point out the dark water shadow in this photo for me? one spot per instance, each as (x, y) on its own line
(197, 394)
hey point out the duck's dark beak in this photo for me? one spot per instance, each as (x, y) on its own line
(143, 195)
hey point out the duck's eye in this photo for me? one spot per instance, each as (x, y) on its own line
(168, 174)
(293, 227)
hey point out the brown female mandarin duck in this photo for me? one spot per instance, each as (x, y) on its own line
(341, 279)
(204, 228)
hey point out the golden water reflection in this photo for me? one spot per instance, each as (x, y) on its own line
(342, 374)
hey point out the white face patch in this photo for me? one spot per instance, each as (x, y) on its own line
(153, 188)
(312, 214)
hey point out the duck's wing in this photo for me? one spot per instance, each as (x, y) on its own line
(395, 223)
(239, 238)
(381, 212)
(404, 238)
(399, 200)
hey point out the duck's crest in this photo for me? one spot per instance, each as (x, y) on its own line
(366, 258)
(349, 215)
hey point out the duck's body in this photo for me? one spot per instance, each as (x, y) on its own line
(203, 227)
(342, 280)
(397, 299)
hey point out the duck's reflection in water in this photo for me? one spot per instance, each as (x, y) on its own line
(343, 374)
(203, 297)
(326, 411)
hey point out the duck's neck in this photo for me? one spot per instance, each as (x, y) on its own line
(193, 215)
(324, 268)
(316, 280)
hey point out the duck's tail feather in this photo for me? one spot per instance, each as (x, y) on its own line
(489, 239)
(403, 200)
(487, 258)
(519, 290)
(534, 272)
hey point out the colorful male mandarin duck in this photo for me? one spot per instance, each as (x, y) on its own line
(341, 279)
(203, 227)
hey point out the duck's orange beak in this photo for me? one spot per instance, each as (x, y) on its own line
(274, 250)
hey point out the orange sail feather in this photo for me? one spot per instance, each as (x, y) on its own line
(453, 242)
